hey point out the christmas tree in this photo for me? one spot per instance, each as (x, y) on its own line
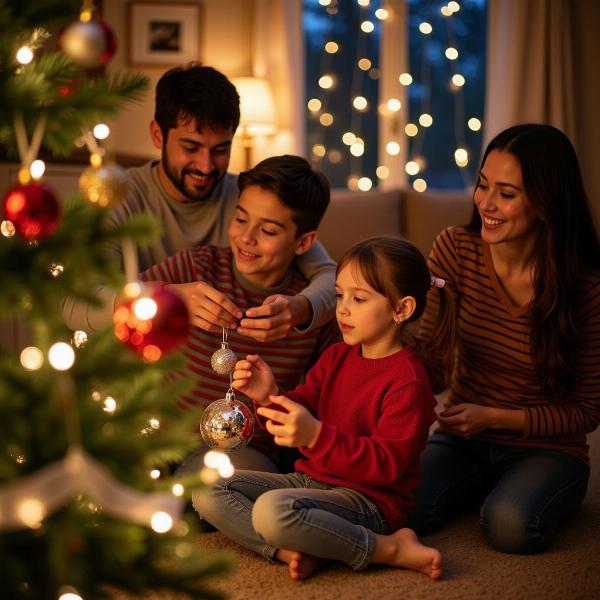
(88, 427)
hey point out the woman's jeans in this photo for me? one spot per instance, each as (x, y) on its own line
(269, 511)
(525, 491)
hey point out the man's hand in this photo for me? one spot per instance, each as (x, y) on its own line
(254, 377)
(209, 309)
(293, 426)
(276, 317)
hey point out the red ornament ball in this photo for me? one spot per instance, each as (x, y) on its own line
(33, 209)
(153, 322)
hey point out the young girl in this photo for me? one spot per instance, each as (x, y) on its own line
(360, 422)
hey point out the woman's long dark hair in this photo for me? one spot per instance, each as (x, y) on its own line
(567, 246)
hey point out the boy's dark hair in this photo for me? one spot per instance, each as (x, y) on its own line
(292, 179)
(199, 93)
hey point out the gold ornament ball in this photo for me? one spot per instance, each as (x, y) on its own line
(105, 185)
(223, 360)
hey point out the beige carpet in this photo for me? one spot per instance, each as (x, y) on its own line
(570, 570)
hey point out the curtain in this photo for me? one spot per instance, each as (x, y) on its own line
(278, 55)
(542, 67)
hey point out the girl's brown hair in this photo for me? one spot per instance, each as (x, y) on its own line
(395, 268)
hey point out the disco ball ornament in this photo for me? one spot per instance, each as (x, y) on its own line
(227, 424)
(33, 209)
(223, 360)
(105, 185)
(89, 44)
(153, 322)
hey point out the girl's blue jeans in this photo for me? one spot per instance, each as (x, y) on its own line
(265, 512)
(524, 493)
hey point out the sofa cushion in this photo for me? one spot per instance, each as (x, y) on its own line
(428, 213)
(355, 216)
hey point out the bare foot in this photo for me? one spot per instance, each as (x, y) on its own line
(300, 565)
(403, 549)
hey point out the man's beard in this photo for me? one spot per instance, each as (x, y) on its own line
(178, 180)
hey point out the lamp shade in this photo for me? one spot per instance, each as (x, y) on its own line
(258, 115)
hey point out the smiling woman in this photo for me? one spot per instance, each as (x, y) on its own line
(525, 274)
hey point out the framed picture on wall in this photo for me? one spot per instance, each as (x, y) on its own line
(163, 34)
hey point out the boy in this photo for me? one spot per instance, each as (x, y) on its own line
(281, 203)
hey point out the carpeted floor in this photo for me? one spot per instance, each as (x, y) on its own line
(472, 571)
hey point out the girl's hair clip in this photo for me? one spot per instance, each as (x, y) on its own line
(437, 282)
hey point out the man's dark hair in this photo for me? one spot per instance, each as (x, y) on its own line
(199, 93)
(292, 179)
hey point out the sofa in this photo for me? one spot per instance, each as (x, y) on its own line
(354, 216)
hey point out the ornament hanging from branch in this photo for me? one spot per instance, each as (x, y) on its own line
(89, 43)
(152, 320)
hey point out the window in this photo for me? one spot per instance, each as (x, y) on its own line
(439, 114)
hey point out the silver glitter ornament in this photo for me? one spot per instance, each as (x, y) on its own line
(224, 359)
(227, 424)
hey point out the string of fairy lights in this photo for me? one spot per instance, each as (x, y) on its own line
(355, 139)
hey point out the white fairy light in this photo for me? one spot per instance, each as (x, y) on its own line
(56, 270)
(226, 470)
(454, 6)
(326, 119)
(70, 596)
(348, 138)
(79, 339)
(31, 511)
(110, 405)
(352, 183)
(405, 79)
(155, 473)
(458, 80)
(326, 82)
(24, 55)
(420, 185)
(161, 522)
(101, 131)
(314, 104)
(324, 2)
(132, 289)
(145, 308)
(319, 150)
(364, 184)
(411, 129)
(426, 120)
(7, 229)
(32, 358)
(451, 53)
(357, 149)
(394, 104)
(382, 172)
(177, 489)
(461, 156)
(364, 64)
(382, 14)
(154, 423)
(425, 28)
(331, 47)
(367, 26)
(364, 2)
(61, 356)
(412, 167)
(392, 148)
(447, 12)
(360, 103)
(37, 168)
(474, 124)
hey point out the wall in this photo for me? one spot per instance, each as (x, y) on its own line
(225, 43)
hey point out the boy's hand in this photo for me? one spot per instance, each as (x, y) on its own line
(209, 309)
(276, 317)
(294, 426)
(254, 377)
